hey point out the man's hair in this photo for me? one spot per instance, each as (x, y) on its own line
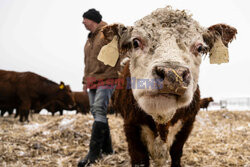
(93, 14)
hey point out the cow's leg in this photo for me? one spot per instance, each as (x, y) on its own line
(21, 114)
(3, 112)
(10, 111)
(31, 113)
(26, 114)
(24, 110)
(61, 112)
(180, 139)
(78, 110)
(81, 109)
(84, 109)
(137, 150)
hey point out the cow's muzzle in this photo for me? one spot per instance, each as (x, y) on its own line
(175, 79)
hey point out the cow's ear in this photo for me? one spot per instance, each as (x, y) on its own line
(123, 34)
(110, 31)
(61, 86)
(225, 32)
(217, 37)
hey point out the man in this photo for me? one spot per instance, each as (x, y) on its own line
(95, 75)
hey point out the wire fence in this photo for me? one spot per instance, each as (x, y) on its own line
(238, 103)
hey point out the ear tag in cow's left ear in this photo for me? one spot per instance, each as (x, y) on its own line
(109, 53)
(61, 86)
(219, 53)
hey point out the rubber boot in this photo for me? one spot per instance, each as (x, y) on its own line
(107, 143)
(97, 137)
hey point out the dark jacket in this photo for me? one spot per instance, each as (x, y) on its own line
(93, 67)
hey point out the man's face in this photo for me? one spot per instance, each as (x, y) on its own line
(87, 23)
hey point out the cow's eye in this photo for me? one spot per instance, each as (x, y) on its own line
(137, 43)
(200, 48)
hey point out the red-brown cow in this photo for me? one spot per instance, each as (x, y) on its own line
(27, 90)
(81, 105)
(82, 102)
(205, 102)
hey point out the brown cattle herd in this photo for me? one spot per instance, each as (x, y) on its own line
(26, 92)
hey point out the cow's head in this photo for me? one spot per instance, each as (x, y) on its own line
(166, 46)
(64, 96)
(210, 99)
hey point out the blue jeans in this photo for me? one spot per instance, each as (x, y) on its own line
(99, 100)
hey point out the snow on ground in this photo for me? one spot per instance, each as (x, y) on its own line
(219, 138)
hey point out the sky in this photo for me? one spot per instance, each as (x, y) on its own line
(47, 37)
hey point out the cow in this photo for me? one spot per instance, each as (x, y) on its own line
(82, 102)
(160, 95)
(204, 102)
(27, 90)
(55, 107)
(81, 105)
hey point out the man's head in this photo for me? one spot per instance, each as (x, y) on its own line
(93, 15)
(91, 19)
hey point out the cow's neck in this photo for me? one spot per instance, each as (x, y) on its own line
(49, 89)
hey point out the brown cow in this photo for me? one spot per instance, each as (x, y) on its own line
(82, 102)
(55, 107)
(27, 90)
(205, 102)
(160, 97)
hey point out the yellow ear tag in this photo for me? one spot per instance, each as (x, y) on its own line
(109, 53)
(61, 86)
(219, 53)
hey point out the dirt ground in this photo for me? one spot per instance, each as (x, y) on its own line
(219, 138)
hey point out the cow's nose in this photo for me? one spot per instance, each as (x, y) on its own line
(175, 74)
(175, 79)
(180, 74)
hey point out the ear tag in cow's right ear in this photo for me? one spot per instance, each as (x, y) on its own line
(61, 86)
(218, 53)
(109, 53)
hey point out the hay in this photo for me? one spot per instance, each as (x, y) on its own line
(219, 138)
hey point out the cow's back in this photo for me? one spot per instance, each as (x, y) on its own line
(16, 83)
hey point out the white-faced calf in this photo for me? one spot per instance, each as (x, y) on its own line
(164, 48)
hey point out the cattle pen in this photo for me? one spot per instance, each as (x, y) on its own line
(219, 138)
